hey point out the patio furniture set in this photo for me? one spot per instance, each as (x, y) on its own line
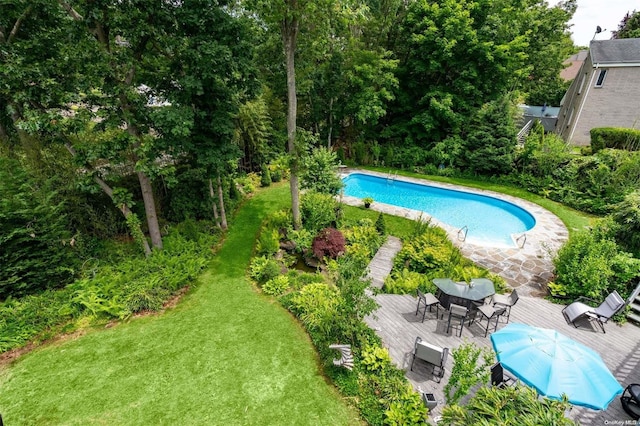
(544, 359)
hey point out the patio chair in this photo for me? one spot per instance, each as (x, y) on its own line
(611, 306)
(506, 301)
(432, 354)
(499, 378)
(457, 312)
(428, 300)
(489, 313)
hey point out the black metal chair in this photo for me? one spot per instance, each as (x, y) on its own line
(490, 313)
(428, 300)
(498, 378)
(506, 301)
(630, 400)
(457, 312)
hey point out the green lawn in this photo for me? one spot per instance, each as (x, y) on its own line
(572, 219)
(225, 355)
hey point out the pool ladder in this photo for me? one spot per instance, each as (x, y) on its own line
(522, 237)
(392, 177)
(464, 231)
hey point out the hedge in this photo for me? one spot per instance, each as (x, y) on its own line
(614, 137)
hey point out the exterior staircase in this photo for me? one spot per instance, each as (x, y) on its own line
(634, 302)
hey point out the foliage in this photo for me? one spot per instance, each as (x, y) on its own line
(252, 130)
(318, 211)
(380, 225)
(470, 368)
(302, 239)
(614, 137)
(367, 201)
(268, 243)
(363, 241)
(375, 358)
(629, 27)
(406, 409)
(276, 286)
(591, 264)
(249, 182)
(489, 146)
(509, 406)
(407, 282)
(626, 215)
(543, 153)
(316, 305)
(329, 243)
(456, 57)
(265, 176)
(36, 250)
(427, 252)
(263, 269)
(319, 172)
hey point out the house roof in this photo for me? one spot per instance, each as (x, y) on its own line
(625, 51)
(573, 64)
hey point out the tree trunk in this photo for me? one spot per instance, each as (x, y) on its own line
(150, 210)
(330, 123)
(212, 195)
(126, 211)
(223, 214)
(289, 38)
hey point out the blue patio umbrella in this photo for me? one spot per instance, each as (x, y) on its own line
(555, 365)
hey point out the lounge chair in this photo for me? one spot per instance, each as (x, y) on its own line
(611, 306)
(506, 301)
(427, 300)
(432, 354)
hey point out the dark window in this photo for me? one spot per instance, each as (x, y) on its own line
(601, 76)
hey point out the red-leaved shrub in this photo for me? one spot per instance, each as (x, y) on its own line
(328, 243)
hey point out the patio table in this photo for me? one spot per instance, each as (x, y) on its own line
(470, 295)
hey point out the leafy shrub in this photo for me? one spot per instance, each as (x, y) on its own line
(381, 226)
(363, 240)
(626, 215)
(249, 183)
(299, 279)
(281, 220)
(470, 367)
(276, 286)
(508, 405)
(36, 250)
(318, 211)
(316, 306)
(328, 243)
(319, 172)
(427, 252)
(407, 282)
(262, 269)
(301, 238)
(614, 137)
(265, 176)
(406, 409)
(591, 264)
(276, 175)
(375, 359)
(268, 242)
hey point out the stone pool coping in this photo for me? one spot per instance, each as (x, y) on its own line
(528, 268)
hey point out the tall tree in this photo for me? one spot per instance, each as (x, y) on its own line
(629, 27)
(285, 18)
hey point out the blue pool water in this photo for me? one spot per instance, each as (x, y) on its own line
(490, 221)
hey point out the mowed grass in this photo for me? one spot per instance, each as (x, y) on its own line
(225, 356)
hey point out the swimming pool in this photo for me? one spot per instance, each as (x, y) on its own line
(490, 221)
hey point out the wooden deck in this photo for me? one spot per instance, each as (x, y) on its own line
(382, 263)
(395, 322)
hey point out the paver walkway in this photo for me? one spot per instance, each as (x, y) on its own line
(382, 263)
